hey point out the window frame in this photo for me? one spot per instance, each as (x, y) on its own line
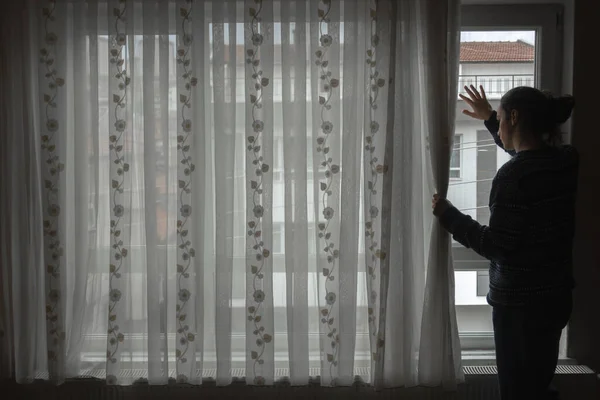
(543, 19)
(457, 149)
(546, 20)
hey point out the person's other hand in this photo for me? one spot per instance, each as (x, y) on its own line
(439, 205)
(478, 102)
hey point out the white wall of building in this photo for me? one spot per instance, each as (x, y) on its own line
(497, 68)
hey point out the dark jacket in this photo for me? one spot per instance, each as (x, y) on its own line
(530, 233)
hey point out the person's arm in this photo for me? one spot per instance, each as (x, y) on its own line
(497, 241)
(493, 125)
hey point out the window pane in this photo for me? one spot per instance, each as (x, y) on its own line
(483, 283)
(455, 160)
(498, 61)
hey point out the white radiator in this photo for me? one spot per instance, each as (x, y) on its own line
(362, 374)
(574, 382)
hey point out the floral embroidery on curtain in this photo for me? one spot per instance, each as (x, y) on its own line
(255, 153)
(185, 249)
(119, 168)
(327, 86)
(374, 253)
(52, 170)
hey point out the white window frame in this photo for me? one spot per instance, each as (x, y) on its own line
(458, 139)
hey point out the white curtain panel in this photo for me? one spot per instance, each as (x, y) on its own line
(212, 189)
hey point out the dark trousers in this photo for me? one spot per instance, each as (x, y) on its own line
(527, 344)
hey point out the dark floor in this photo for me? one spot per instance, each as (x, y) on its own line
(571, 387)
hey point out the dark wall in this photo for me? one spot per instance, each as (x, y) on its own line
(584, 333)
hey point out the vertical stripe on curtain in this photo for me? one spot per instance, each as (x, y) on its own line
(186, 313)
(224, 149)
(54, 147)
(326, 160)
(156, 143)
(378, 141)
(295, 155)
(259, 129)
(123, 170)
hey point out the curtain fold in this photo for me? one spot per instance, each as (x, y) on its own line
(224, 189)
(439, 354)
(23, 305)
(406, 195)
(294, 112)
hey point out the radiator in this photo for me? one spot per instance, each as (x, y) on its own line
(574, 382)
(362, 374)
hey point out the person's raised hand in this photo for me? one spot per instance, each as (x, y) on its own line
(481, 108)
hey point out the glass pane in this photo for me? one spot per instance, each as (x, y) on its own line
(498, 61)
(472, 310)
(455, 160)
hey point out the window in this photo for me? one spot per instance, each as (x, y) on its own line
(455, 160)
(278, 238)
(474, 161)
(483, 283)
(501, 48)
(476, 157)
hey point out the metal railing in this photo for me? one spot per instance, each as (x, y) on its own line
(495, 85)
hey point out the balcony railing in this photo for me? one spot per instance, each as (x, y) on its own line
(495, 85)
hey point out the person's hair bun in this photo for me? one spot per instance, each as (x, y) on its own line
(561, 108)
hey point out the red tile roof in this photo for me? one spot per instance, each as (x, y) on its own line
(493, 52)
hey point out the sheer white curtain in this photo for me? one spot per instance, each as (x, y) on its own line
(439, 336)
(212, 189)
(422, 345)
